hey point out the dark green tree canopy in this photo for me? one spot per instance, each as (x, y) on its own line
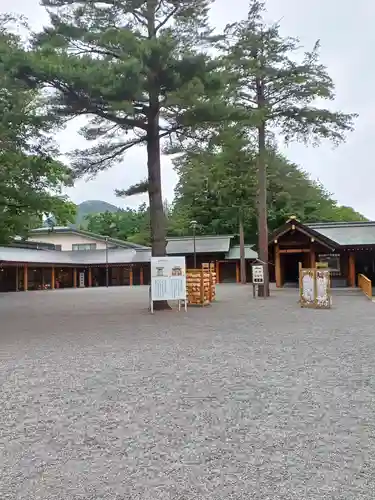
(31, 180)
(128, 224)
(109, 60)
(139, 70)
(218, 182)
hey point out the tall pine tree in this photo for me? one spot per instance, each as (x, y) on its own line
(138, 69)
(279, 92)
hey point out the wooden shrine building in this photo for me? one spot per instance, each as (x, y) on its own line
(66, 257)
(345, 248)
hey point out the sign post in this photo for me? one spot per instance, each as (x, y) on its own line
(81, 280)
(168, 280)
(258, 278)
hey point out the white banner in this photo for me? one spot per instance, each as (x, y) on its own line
(168, 278)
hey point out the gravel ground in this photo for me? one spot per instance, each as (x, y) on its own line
(246, 399)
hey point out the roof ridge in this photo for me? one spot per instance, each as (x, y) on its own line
(89, 234)
(199, 236)
(340, 223)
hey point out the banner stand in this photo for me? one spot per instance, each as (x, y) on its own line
(168, 281)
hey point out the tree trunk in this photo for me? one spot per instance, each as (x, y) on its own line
(157, 215)
(264, 290)
(242, 251)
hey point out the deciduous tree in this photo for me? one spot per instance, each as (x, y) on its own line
(31, 181)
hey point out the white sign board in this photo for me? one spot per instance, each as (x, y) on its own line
(168, 278)
(258, 274)
(82, 280)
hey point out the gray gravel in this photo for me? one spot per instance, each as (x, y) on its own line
(243, 400)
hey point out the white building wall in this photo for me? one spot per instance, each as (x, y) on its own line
(66, 240)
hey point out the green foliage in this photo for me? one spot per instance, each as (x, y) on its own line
(31, 181)
(90, 207)
(276, 87)
(129, 224)
(139, 70)
(218, 182)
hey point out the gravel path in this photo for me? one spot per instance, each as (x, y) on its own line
(243, 400)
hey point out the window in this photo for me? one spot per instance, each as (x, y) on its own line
(84, 246)
(329, 261)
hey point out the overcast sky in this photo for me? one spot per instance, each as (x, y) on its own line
(347, 38)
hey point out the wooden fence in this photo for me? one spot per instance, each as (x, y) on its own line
(365, 285)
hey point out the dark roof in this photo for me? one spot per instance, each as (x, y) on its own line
(347, 233)
(38, 245)
(306, 229)
(203, 244)
(87, 234)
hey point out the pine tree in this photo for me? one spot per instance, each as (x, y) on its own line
(139, 69)
(279, 94)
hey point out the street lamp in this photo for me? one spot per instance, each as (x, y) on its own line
(194, 224)
(106, 263)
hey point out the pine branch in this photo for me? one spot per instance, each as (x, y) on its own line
(139, 188)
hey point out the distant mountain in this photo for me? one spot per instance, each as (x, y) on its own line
(93, 207)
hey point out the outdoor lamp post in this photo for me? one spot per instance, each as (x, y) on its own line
(106, 263)
(193, 224)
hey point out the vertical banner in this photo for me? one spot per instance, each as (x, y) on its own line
(315, 288)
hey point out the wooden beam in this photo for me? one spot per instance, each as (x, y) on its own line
(75, 278)
(237, 272)
(53, 278)
(295, 250)
(217, 271)
(25, 278)
(351, 277)
(141, 276)
(278, 279)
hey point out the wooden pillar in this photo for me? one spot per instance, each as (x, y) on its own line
(74, 278)
(312, 259)
(53, 278)
(25, 278)
(141, 276)
(131, 276)
(89, 278)
(278, 278)
(237, 272)
(351, 277)
(217, 271)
